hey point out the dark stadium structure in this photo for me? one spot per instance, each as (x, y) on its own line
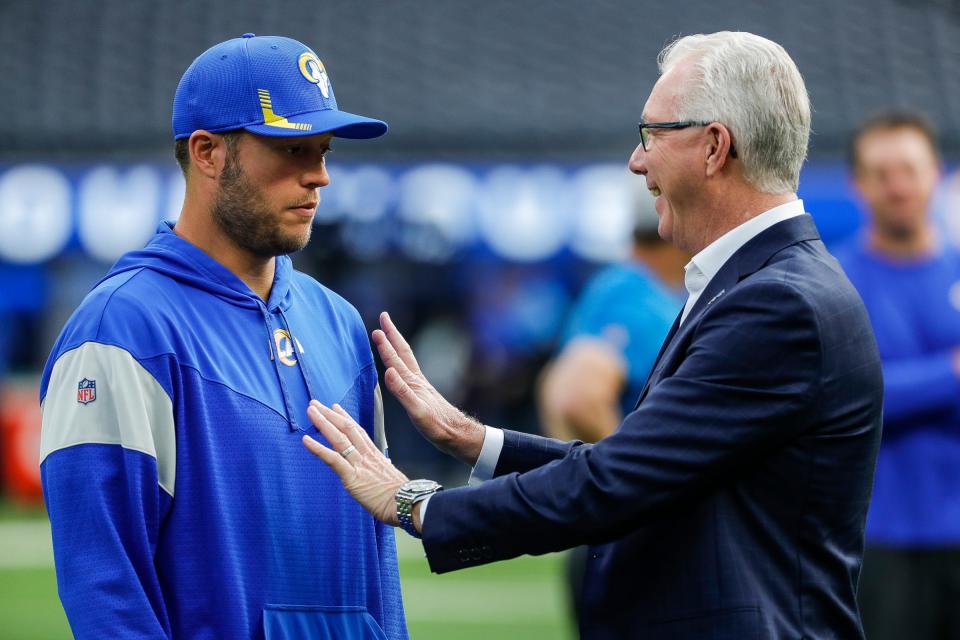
(499, 78)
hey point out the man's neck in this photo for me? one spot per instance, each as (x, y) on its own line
(903, 246)
(734, 212)
(255, 271)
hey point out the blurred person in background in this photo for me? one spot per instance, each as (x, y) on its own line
(612, 336)
(608, 347)
(23, 296)
(209, 333)
(731, 502)
(909, 279)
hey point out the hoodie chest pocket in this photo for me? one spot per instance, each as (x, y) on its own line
(297, 622)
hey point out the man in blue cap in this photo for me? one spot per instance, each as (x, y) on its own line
(209, 334)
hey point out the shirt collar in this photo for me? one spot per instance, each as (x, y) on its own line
(703, 266)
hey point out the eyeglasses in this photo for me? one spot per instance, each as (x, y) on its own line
(684, 124)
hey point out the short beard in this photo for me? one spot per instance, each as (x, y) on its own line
(898, 233)
(240, 213)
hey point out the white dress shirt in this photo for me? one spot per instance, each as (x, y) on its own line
(703, 266)
(698, 273)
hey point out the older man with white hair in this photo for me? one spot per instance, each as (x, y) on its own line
(731, 502)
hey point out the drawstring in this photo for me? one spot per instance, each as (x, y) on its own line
(296, 349)
(276, 366)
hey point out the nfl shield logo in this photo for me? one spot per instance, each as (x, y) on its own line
(86, 391)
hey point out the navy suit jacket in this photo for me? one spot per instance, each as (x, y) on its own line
(731, 502)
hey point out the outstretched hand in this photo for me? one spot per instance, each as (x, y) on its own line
(445, 426)
(366, 473)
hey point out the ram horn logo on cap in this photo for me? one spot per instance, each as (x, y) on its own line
(313, 70)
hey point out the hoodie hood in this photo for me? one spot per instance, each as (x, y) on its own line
(171, 255)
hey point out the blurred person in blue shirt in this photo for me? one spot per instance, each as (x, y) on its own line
(612, 337)
(909, 279)
(608, 347)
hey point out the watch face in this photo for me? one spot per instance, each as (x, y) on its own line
(416, 486)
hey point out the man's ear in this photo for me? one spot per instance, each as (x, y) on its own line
(719, 148)
(208, 153)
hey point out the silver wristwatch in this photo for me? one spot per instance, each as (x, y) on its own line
(409, 494)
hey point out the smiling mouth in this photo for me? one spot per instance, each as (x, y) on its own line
(655, 191)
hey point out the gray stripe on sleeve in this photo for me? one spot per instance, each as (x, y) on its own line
(379, 432)
(131, 409)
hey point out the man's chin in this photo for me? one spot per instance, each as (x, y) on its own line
(664, 229)
(297, 243)
(902, 231)
(279, 246)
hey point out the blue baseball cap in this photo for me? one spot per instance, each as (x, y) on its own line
(267, 85)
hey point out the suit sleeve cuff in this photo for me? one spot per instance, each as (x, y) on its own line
(423, 510)
(483, 469)
(489, 456)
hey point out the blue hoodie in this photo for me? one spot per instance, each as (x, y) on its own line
(182, 502)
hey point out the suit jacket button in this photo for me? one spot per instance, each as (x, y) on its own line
(464, 555)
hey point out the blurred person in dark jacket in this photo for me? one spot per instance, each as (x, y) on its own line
(909, 279)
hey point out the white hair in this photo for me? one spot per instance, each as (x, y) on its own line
(750, 85)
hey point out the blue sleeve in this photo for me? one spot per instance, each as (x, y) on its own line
(108, 468)
(917, 387)
(627, 310)
(394, 624)
(105, 507)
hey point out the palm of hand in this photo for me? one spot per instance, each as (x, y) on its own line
(445, 426)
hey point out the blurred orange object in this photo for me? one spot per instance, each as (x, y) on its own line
(20, 438)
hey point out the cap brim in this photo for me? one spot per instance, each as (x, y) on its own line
(340, 123)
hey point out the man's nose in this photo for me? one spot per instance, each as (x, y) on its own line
(317, 177)
(638, 161)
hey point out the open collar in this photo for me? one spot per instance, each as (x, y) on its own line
(748, 259)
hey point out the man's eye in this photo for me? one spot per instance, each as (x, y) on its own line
(295, 150)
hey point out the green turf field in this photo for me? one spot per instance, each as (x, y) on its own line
(520, 599)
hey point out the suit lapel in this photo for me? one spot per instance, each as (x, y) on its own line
(747, 260)
(679, 337)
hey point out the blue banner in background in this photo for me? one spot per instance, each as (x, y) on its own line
(434, 212)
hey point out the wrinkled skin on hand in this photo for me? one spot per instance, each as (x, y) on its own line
(445, 426)
(366, 473)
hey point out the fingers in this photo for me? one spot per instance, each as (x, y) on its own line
(398, 376)
(398, 342)
(345, 422)
(336, 437)
(410, 401)
(338, 418)
(388, 353)
(338, 463)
